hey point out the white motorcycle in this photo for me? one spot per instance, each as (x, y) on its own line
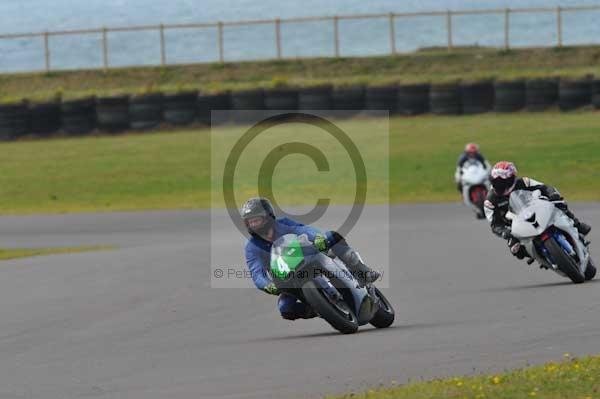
(474, 178)
(549, 236)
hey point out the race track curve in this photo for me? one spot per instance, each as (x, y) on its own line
(142, 322)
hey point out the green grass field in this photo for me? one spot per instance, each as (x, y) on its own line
(7, 254)
(432, 65)
(570, 379)
(171, 170)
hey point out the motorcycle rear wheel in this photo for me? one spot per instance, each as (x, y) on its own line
(385, 314)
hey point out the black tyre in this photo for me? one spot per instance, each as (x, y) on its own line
(564, 262)
(315, 98)
(573, 94)
(445, 99)
(348, 99)
(145, 112)
(413, 99)
(212, 102)
(541, 94)
(382, 98)
(249, 104)
(590, 272)
(509, 96)
(112, 113)
(180, 109)
(285, 99)
(78, 116)
(596, 94)
(45, 118)
(477, 98)
(14, 120)
(339, 315)
(385, 315)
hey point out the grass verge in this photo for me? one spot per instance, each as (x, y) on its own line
(7, 254)
(571, 379)
(422, 66)
(172, 170)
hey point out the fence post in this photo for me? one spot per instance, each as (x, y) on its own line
(105, 48)
(559, 26)
(392, 34)
(278, 37)
(220, 40)
(163, 53)
(336, 36)
(449, 28)
(506, 28)
(46, 51)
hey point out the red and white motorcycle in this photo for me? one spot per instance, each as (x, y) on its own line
(473, 177)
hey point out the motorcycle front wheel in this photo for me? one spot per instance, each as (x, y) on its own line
(338, 314)
(564, 262)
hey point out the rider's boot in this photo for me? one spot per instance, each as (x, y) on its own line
(583, 228)
(363, 273)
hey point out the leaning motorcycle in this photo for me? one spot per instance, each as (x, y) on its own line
(474, 178)
(549, 236)
(325, 284)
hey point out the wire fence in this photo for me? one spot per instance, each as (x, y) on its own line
(270, 37)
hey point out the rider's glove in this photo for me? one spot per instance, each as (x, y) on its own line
(515, 248)
(506, 234)
(271, 289)
(320, 243)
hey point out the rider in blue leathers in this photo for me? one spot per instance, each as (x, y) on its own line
(259, 216)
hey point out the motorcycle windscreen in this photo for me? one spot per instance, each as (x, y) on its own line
(287, 255)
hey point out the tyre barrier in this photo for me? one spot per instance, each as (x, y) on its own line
(209, 102)
(509, 96)
(445, 99)
(573, 94)
(145, 111)
(281, 99)
(381, 98)
(596, 94)
(541, 94)
(45, 118)
(14, 120)
(351, 98)
(317, 98)
(477, 98)
(112, 113)
(250, 101)
(413, 99)
(78, 116)
(180, 109)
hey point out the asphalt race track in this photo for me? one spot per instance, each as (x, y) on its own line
(141, 321)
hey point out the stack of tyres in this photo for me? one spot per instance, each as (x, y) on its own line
(541, 94)
(445, 99)
(315, 98)
(207, 103)
(477, 97)
(14, 120)
(248, 105)
(413, 99)
(509, 96)
(350, 99)
(381, 98)
(180, 109)
(281, 99)
(112, 113)
(78, 116)
(596, 94)
(145, 111)
(573, 94)
(45, 118)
